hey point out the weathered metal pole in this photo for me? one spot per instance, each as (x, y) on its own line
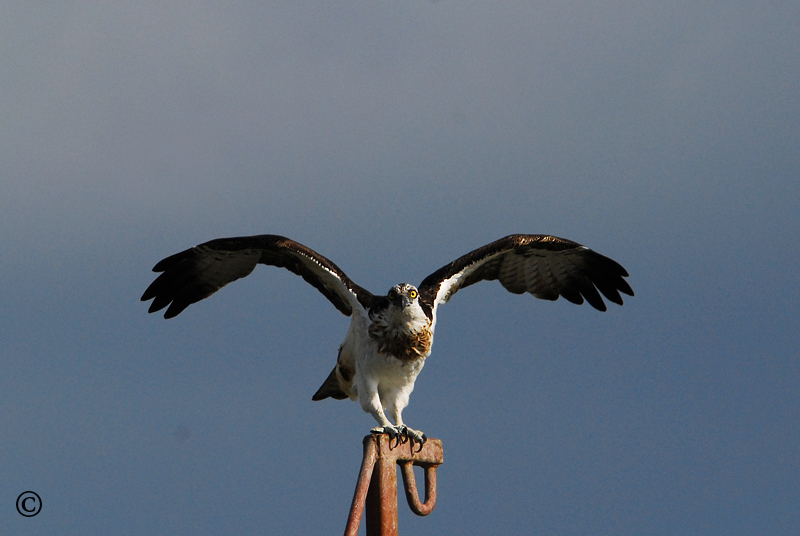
(382, 494)
(377, 483)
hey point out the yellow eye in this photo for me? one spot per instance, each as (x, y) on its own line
(412, 294)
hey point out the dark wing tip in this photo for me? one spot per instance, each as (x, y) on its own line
(163, 300)
(148, 295)
(607, 276)
(174, 310)
(568, 269)
(625, 288)
(179, 284)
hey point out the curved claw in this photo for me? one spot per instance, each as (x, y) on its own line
(401, 435)
(415, 436)
(395, 434)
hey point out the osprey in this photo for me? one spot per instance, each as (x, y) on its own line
(390, 336)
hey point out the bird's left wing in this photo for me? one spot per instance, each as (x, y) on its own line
(542, 265)
(197, 273)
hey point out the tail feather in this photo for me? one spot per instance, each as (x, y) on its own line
(330, 388)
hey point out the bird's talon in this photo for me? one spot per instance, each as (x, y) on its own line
(415, 436)
(400, 435)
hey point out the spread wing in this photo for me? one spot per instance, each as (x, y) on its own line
(545, 266)
(197, 273)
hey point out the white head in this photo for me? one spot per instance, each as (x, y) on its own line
(403, 295)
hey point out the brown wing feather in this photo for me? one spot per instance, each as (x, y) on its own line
(196, 273)
(542, 265)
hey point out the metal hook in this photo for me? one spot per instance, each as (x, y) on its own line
(377, 489)
(410, 486)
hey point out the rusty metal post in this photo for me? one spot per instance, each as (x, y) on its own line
(362, 487)
(377, 483)
(382, 494)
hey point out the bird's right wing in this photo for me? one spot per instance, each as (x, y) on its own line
(197, 273)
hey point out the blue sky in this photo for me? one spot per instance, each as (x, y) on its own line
(392, 138)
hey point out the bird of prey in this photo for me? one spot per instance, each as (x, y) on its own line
(390, 336)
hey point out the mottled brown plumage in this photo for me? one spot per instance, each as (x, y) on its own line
(400, 344)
